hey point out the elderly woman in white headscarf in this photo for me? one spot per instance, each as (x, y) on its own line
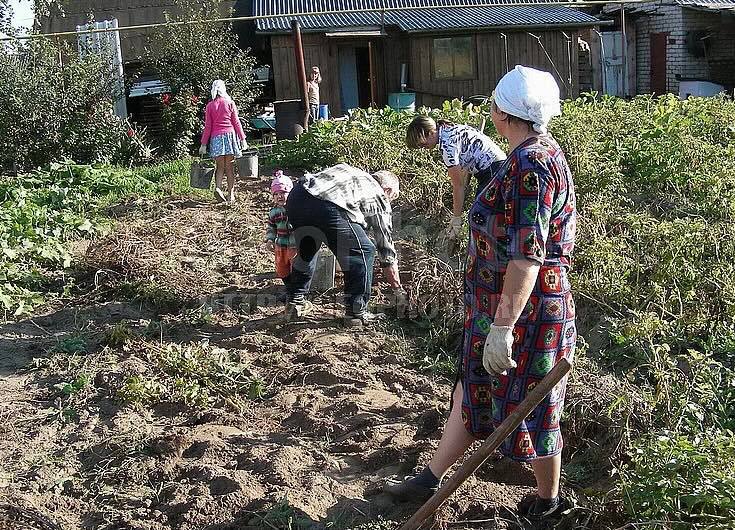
(225, 138)
(519, 311)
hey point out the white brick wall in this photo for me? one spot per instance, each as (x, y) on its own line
(662, 19)
(676, 21)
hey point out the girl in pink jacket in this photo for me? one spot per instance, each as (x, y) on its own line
(225, 138)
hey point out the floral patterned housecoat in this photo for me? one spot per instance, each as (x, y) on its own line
(527, 212)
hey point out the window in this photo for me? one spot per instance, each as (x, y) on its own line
(454, 58)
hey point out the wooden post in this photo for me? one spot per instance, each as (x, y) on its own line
(301, 69)
(625, 50)
(371, 59)
(490, 445)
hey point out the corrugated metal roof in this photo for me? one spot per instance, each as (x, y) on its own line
(648, 8)
(344, 14)
(709, 5)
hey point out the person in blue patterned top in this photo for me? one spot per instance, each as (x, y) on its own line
(519, 309)
(464, 150)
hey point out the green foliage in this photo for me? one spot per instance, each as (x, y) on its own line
(73, 387)
(139, 391)
(150, 293)
(374, 139)
(42, 212)
(51, 111)
(119, 334)
(683, 481)
(6, 17)
(179, 123)
(196, 374)
(199, 316)
(282, 515)
(71, 344)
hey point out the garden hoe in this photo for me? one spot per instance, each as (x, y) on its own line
(489, 445)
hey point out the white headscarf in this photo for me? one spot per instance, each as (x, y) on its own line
(529, 94)
(219, 90)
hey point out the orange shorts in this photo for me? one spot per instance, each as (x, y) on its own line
(284, 257)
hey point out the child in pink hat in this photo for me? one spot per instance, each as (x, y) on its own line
(278, 236)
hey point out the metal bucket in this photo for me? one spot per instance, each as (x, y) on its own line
(247, 164)
(200, 175)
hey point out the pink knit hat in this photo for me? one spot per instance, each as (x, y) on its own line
(281, 183)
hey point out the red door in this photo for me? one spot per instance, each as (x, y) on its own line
(658, 62)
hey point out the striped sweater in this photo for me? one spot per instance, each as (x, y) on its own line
(278, 230)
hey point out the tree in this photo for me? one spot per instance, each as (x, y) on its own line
(6, 17)
(50, 111)
(190, 56)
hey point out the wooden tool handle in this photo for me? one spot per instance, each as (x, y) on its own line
(508, 425)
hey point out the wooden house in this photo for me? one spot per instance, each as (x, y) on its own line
(440, 49)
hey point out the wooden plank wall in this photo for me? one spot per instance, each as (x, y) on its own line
(322, 52)
(522, 49)
(127, 12)
(318, 51)
(395, 49)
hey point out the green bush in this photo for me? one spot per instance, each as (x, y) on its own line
(374, 139)
(51, 111)
(683, 481)
(179, 123)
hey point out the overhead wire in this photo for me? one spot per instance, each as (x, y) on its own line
(568, 85)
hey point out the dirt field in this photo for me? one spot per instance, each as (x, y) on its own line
(285, 426)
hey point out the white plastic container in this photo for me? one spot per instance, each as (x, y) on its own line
(699, 89)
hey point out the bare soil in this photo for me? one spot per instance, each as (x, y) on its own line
(341, 410)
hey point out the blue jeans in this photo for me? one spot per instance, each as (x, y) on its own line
(316, 221)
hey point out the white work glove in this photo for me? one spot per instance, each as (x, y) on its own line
(497, 355)
(202, 150)
(454, 228)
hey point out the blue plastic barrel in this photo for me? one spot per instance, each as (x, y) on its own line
(323, 112)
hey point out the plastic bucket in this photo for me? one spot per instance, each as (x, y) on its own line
(323, 278)
(247, 165)
(323, 112)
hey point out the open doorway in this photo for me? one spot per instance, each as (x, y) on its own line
(354, 76)
(362, 56)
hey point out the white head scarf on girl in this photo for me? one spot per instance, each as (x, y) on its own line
(529, 94)
(219, 90)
